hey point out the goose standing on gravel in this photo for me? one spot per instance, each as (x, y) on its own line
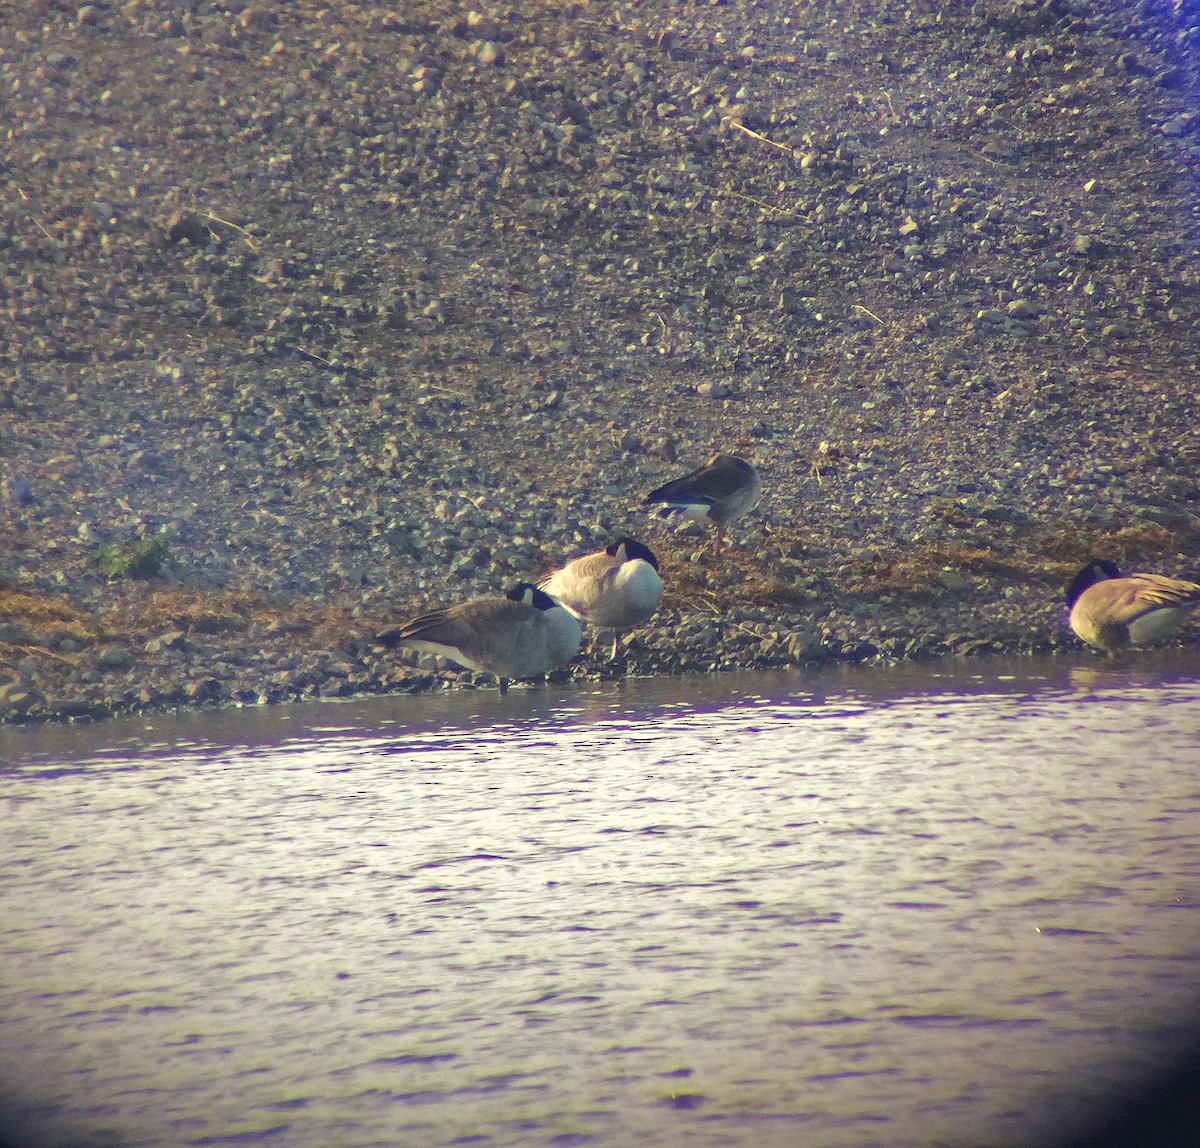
(524, 634)
(1111, 610)
(616, 589)
(722, 490)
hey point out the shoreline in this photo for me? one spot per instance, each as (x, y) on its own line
(179, 649)
(316, 317)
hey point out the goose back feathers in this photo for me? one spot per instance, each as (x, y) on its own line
(1111, 610)
(721, 491)
(523, 634)
(617, 588)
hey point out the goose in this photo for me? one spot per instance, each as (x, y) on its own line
(523, 634)
(722, 490)
(617, 588)
(1111, 610)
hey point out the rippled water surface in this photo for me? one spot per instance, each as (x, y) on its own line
(879, 908)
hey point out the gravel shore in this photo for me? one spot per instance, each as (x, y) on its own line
(319, 315)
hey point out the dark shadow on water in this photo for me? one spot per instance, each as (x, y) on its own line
(1163, 1114)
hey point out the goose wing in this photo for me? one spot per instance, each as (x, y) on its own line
(1124, 600)
(510, 638)
(704, 484)
(723, 479)
(467, 623)
(580, 583)
(1156, 591)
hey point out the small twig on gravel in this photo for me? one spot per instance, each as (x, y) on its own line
(744, 629)
(761, 138)
(699, 600)
(779, 545)
(868, 311)
(34, 220)
(314, 355)
(738, 195)
(240, 230)
(34, 650)
(1016, 128)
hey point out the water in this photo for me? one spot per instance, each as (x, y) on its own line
(938, 906)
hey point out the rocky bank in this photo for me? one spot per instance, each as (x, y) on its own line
(315, 315)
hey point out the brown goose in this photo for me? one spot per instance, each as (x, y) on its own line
(1111, 610)
(616, 589)
(524, 634)
(722, 490)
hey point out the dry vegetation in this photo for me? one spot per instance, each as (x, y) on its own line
(1043, 557)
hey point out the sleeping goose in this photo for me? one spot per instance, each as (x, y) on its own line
(1111, 610)
(616, 589)
(721, 491)
(523, 634)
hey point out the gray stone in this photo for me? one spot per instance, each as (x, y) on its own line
(113, 658)
(953, 581)
(1023, 309)
(1179, 124)
(791, 302)
(18, 490)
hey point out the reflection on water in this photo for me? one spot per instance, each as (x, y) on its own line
(857, 908)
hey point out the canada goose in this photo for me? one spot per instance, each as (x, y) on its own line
(524, 634)
(1111, 610)
(616, 589)
(721, 491)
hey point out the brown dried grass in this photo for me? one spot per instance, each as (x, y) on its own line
(193, 611)
(1142, 540)
(54, 617)
(916, 573)
(230, 612)
(1048, 557)
(733, 579)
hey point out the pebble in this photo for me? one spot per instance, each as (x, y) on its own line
(490, 53)
(113, 658)
(18, 490)
(953, 581)
(1023, 309)
(1179, 124)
